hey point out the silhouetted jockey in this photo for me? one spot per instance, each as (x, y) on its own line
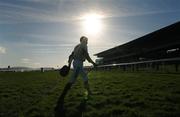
(78, 56)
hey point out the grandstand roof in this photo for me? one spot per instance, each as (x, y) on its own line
(163, 38)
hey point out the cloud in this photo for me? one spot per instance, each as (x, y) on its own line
(25, 60)
(2, 50)
(37, 64)
(29, 62)
(17, 13)
(63, 11)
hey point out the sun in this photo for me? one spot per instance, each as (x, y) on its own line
(92, 24)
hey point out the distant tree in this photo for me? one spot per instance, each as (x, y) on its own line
(42, 69)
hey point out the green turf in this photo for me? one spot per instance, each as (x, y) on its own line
(116, 94)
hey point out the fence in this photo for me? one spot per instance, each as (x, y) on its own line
(161, 65)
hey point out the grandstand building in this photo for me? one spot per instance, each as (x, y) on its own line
(160, 44)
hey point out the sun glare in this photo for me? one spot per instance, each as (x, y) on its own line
(92, 24)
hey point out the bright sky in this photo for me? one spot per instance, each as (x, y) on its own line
(38, 33)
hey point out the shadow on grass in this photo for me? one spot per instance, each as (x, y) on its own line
(61, 111)
(82, 107)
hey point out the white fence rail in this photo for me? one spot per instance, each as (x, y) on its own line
(160, 64)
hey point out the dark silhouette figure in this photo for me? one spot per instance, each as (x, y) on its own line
(78, 56)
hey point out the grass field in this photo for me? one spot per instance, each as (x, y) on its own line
(116, 94)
